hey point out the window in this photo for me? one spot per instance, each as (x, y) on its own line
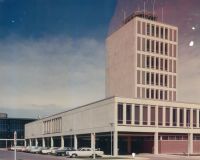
(152, 115)
(143, 28)
(128, 113)
(170, 34)
(161, 32)
(143, 92)
(152, 93)
(194, 118)
(139, 27)
(138, 43)
(152, 78)
(157, 31)
(152, 30)
(170, 65)
(166, 65)
(166, 80)
(148, 29)
(166, 49)
(138, 60)
(152, 62)
(152, 46)
(145, 111)
(170, 50)
(143, 61)
(120, 113)
(157, 63)
(161, 47)
(166, 95)
(147, 78)
(174, 95)
(160, 116)
(187, 117)
(157, 47)
(174, 51)
(148, 62)
(137, 114)
(143, 44)
(161, 80)
(175, 35)
(147, 93)
(170, 95)
(161, 64)
(167, 116)
(181, 116)
(157, 79)
(174, 79)
(166, 33)
(138, 92)
(143, 77)
(174, 117)
(157, 91)
(174, 66)
(138, 77)
(161, 94)
(148, 45)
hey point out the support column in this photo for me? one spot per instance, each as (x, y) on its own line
(133, 114)
(62, 141)
(184, 118)
(178, 117)
(197, 118)
(191, 118)
(36, 142)
(43, 142)
(115, 141)
(24, 143)
(75, 142)
(30, 142)
(93, 142)
(156, 143)
(124, 113)
(171, 116)
(52, 144)
(190, 143)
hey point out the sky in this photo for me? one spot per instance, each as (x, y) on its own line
(52, 52)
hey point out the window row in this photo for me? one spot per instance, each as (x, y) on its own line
(157, 79)
(164, 116)
(158, 63)
(158, 94)
(52, 126)
(147, 45)
(156, 31)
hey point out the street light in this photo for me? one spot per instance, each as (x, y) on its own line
(111, 141)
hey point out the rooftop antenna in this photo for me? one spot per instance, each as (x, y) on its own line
(154, 1)
(162, 15)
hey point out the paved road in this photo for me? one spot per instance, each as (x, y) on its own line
(9, 155)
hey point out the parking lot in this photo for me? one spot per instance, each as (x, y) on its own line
(9, 155)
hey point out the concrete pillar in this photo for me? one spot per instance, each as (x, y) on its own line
(93, 141)
(191, 118)
(184, 117)
(75, 142)
(197, 118)
(43, 142)
(171, 116)
(24, 143)
(36, 142)
(62, 141)
(124, 113)
(115, 141)
(52, 144)
(156, 143)
(190, 143)
(30, 142)
(178, 117)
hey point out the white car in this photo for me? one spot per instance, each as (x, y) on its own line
(37, 149)
(85, 152)
(48, 150)
(18, 148)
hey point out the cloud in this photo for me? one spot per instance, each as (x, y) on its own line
(50, 74)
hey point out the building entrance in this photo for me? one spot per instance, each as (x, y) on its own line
(135, 143)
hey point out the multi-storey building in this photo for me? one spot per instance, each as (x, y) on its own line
(140, 113)
(142, 59)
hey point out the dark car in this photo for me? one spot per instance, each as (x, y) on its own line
(62, 151)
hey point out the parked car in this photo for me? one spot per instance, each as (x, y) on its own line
(62, 151)
(37, 149)
(54, 149)
(48, 150)
(18, 148)
(85, 152)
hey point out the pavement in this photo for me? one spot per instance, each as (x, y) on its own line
(9, 155)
